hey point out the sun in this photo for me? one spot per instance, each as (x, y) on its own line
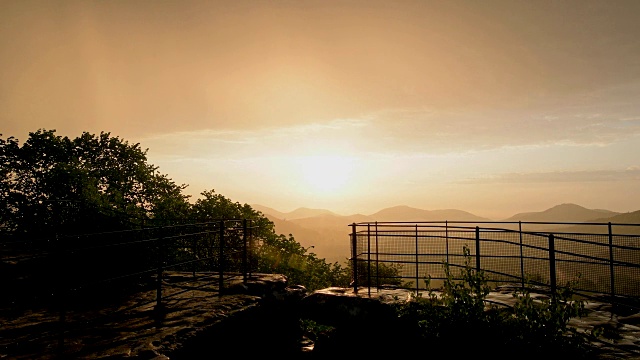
(325, 174)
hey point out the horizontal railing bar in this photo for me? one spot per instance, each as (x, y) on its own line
(412, 223)
(496, 247)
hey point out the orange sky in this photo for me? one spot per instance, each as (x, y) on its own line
(493, 107)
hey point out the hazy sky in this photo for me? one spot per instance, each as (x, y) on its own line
(493, 107)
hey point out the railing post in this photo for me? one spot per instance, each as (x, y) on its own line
(221, 262)
(446, 239)
(377, 257)
(211, 246)
(59, 296)
(354, 258)
(611, 268)
(552, 265)
(417, 261)
(369, 261)
(477, 248)
(194, 250)
(159, 271)
(521, 255)
(244, 251)
(250, 258)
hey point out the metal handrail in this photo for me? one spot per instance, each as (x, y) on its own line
(607, 263)
(69, 266)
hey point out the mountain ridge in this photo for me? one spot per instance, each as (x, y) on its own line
(328, 232)
(407, 213)
(299, 213)
(567, 212)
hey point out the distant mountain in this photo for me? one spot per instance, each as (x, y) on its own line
(329, 242)
(268, 211)
(621, 218)
(302, 212)
(331, 221)
(406, 213)
(329, 232)
(295, 214)
(564, 213)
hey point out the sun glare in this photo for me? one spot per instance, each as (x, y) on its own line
(325, 174)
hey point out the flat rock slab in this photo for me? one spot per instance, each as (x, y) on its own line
(343, 306)
(135, 328)
(194, 309)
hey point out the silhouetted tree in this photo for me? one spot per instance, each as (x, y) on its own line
(282, 254)
(274, 253)
(57, 186)
(54, 184)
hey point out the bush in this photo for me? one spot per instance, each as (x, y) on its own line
(457, 317)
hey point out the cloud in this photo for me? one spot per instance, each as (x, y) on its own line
(574, 123)
(407, 132)
(631, 173)
(591, 119)
(319, 138)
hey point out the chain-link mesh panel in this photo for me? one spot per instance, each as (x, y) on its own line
(535, 258)
(500, 256)
(409, 253)
(626, 257)
(583, 258)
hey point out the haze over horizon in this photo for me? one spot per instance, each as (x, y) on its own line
(564, 209)
(494, 107)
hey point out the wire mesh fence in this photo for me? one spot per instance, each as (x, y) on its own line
(601, 258)
(74, 278)
(58, 265)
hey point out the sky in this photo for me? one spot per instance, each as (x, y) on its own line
(494, 107)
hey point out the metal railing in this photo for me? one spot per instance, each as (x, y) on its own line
(604, 258)
(62, 273)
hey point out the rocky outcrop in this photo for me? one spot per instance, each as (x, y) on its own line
(361, 324)
(259, 317)
(365, 325)
(195, 318)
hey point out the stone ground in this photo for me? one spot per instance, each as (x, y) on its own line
(134, 331)
(621, 339)
(196, 321)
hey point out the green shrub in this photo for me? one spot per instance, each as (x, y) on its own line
(457, 317)
(541, 324)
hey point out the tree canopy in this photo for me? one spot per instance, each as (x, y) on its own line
(91, 183)
(52, 184)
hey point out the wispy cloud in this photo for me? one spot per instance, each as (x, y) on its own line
(266, 141)
(572, 121)
(631, 173)
(403, 132)
(471, 131)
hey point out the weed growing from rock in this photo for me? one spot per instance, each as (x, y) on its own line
(457, 318)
